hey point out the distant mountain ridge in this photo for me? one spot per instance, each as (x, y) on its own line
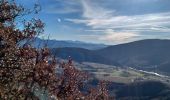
(67, 43)
(151, 54)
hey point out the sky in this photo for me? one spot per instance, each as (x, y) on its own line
(103, 21)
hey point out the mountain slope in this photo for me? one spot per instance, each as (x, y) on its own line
(144, 54)
(144, 90)
(147, 90)
(81, 55)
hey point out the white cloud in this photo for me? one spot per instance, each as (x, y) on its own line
(123, 28)
(128, 22)
(118, 37)
(93, 11)
(110, 36)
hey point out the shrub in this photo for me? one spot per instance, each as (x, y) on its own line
(25, 70)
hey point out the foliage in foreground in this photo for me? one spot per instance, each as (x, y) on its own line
(25, 70)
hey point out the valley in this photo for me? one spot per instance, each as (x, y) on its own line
(120, 75)
(134, 71)
(128, 83)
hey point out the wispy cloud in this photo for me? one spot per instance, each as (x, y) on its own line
(118, 36)
(148, 21)
(110, 36)
(123, 28)
(63, 7)
(66, 10)
(93, 11)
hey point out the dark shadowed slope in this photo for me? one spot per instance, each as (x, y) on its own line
(81, 55)
(143, 90)
(147, 90)
(146, 54)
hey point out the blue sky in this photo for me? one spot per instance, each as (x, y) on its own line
(104, 21)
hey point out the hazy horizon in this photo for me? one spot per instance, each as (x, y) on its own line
(99, 42)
